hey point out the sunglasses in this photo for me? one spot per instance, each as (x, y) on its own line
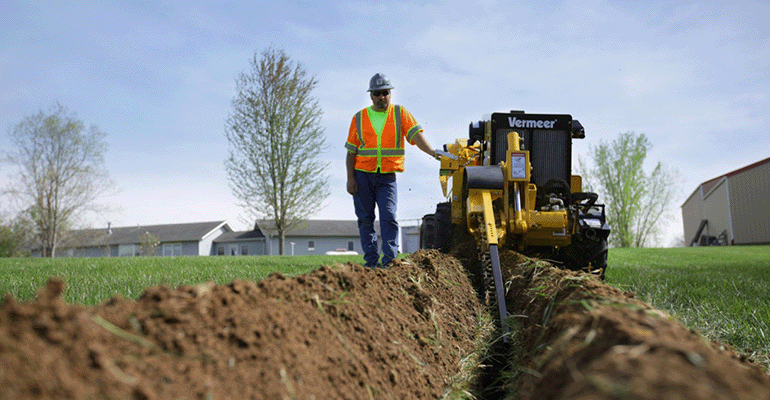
(379, 93)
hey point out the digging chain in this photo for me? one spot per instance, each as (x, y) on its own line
(485, 260)
(492, 281)
(488, 279)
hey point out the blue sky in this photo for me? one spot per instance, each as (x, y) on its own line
(159, 77)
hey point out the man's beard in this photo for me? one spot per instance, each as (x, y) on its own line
(381, 104)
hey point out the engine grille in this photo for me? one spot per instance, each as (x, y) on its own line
(550, 152)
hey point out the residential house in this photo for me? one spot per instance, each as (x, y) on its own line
(313, 237)
(241, 243)
(190, 239)
(410, 238)
(217, 238)
(323, 236)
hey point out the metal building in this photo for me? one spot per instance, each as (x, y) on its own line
(730, 209)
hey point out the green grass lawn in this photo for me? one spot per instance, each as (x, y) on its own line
(92, 280)
(723, 292)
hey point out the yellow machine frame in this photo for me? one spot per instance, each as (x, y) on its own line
(515, 223)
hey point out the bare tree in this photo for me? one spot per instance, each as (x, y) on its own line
(635, 200)
(149, 243)
(275, 143)
(60, 174)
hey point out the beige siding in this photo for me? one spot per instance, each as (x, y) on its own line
(711, 206)
(750, 205)
(692, 213)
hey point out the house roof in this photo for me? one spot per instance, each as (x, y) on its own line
(240, 236)
(196, 231)
(315, 227)
(706, 187)
(132, 235)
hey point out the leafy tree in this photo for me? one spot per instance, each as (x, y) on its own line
(60, 173)
(635, 200)
(14, 237)
(275, 143)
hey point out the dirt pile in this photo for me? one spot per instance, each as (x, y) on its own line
(341, 332)
(346, 332)
(578, 338)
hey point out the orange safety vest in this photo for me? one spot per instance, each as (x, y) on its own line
(385, 152)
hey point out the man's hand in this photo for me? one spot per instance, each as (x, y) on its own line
(352, 186)
(350, 162)
(442, 153)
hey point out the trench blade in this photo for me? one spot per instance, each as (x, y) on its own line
(497, 274)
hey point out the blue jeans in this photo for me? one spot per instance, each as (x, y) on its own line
(377, 189)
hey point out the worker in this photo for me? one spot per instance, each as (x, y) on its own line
(375, 153)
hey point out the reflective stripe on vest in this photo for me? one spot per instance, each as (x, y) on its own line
(359, 128)
(397, 121)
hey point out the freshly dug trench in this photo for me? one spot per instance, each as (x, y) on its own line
(346, 332)
(340, 332)
(578, 338)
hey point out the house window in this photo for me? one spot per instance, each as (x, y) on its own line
(220, 250)
(172, 249)
(127, 250)
(244, 250)
(311, 245)
(350, 246)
